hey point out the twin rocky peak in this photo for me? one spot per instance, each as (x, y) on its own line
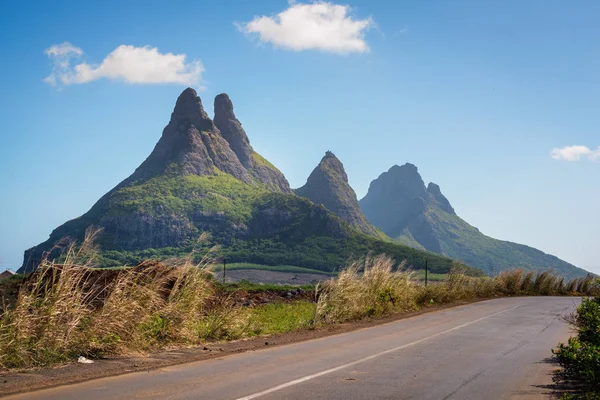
(137, 215)
(192, 143)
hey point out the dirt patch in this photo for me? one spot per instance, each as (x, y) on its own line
(35, 379)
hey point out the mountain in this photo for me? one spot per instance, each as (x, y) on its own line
(328, 185)
(258, 167)
(399, 203)
(204, 176)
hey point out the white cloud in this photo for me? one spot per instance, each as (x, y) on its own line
(316, 26)
(126, 63)
(61, 55)
(575, 153)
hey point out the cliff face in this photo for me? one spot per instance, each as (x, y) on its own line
(231, 130)
(422, 217)
(191, 144)
(328, 185)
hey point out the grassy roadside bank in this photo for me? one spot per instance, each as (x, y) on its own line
(68, 310)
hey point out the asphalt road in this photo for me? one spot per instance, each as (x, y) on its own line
(489, 350)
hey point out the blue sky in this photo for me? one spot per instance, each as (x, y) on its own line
(477, 94)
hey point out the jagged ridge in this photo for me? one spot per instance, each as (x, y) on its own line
(204, 176)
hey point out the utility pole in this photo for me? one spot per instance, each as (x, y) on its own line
(426, 272)
(224, 268)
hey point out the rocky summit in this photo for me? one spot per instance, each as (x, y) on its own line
(203, 176)
(328, 185)
(231, 129)
(191, 144)
(399, 203)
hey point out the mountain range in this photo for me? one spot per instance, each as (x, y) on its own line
(204, 176)
(399, 203)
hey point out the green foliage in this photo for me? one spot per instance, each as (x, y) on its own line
(221, 193)
(580, 357)
(252, 224)
(282, 317)
(329, 253)
(260, 160)
(314, 254)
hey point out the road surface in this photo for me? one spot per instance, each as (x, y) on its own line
(489, 350)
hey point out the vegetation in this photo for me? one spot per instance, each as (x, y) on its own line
(249, 287)
(160, 217)
(260, 160)
(330, 254)
(220, 193)
(66, 309)
(580, 357)
(464, 242)
(319, 254)
(367, 289)
(282, 317)
(9, 290)
(399, 203)
(431, 277)
(374, 287)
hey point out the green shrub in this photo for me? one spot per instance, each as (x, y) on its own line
(282, 317)
(580, 357)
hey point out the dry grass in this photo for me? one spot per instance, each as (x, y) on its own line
(544, 283)
(369, 287)
(380, 289)
(67, 309)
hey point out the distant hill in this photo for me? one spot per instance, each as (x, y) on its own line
(204, 176)
(399, 203)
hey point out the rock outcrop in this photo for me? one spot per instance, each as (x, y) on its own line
(191, 144)
(232, 131)
(435, 192)
(328, 185)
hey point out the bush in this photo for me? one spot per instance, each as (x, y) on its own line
(580, 357)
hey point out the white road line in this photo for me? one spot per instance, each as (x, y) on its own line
(361, 360)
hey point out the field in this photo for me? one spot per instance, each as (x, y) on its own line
(432, 277)
(270, 277)
(291, 275)
(269, 274)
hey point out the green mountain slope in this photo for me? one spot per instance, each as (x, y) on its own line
(199, 179)
(399, 203)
